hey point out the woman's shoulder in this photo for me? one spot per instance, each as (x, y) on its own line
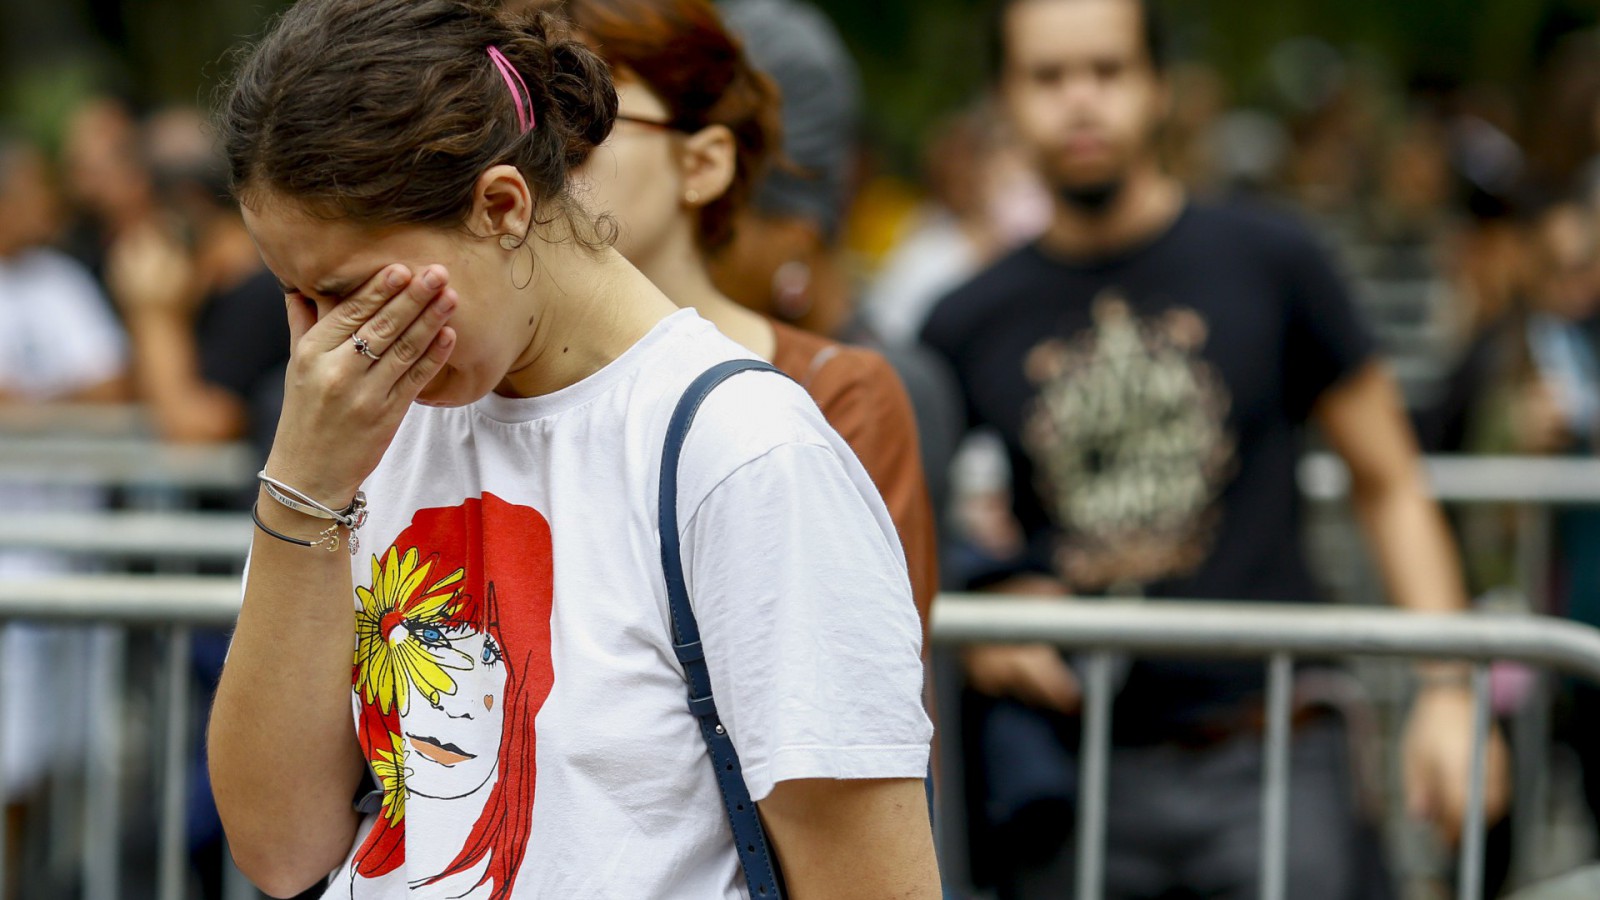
(849, 384)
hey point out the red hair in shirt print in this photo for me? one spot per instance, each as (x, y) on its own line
(453, 633)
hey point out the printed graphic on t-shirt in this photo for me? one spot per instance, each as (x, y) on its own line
(452, 664)
(1129, 444)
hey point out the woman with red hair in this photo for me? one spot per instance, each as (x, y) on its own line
(697, 124)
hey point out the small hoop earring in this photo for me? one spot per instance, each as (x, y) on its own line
(509, 242)
(691, 196)
(532, 264)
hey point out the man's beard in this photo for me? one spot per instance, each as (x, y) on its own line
(1091, 199)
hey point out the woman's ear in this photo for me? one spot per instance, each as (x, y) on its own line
(709, 159)
(502, 204)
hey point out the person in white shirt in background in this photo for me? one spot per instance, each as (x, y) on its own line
(984, 201)
(59, 343)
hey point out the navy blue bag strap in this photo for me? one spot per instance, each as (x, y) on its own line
(749, 839)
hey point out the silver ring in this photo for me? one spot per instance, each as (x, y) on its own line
(363, 348)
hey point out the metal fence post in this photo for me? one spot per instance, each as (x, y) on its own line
(1095, 751)
(173, 872)
(5, 839)
(1530, 727)
(103, 798)
(1470, 879)
(1275, 777)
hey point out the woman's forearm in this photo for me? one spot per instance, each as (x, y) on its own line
(283, 755)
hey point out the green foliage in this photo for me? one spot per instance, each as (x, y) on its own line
(919, 58)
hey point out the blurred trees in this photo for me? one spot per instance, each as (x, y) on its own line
(919, 57)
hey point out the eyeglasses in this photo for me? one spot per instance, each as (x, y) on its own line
(651, 123)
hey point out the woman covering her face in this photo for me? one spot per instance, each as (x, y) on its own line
(474, 358)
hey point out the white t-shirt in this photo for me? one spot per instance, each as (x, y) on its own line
(59, 334)
(516, 690)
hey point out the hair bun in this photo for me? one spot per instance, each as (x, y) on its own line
(580, 86)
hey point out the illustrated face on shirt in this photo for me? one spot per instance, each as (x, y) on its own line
(453, 745)
(452, 665)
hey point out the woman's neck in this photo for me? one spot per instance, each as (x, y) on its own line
(682, 276)
(592, 307)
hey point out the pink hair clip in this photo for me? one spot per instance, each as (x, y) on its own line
(518, 87)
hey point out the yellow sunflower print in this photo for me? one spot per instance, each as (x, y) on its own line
(396, 632)
(390, 770)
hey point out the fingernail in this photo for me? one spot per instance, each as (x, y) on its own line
(431, 279)
(395, 278)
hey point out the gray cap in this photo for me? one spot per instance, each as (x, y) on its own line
(797, 45)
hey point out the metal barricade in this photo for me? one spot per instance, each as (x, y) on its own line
(1278, 634)
(88, 456)
(125, 462)
(175, 605)
(1275, 634)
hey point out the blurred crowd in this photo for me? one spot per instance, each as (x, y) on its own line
(1466, 217)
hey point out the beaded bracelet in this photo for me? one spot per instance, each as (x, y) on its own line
(328, 539)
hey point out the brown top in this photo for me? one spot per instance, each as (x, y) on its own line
(862, 398)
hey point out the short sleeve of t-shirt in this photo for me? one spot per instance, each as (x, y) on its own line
(811, 638)
(1326, 340)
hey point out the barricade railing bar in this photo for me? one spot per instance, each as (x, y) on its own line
(109, 462)
(193, 536)
(1540, 480)
(1276, 633)
(78, 420)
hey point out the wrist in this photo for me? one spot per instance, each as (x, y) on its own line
(282, 518)
(329, 538)
(1444, 679)
(333, 495)
(277, 514)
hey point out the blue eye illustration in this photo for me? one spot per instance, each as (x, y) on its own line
(428, 635)
(491, 651)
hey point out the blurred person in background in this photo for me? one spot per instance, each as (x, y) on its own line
(59, 344)
(106, 179)
(697, 125)
(984, 200)
(210, 342)
(782, 260)
(1151, 363)
(1530, 385)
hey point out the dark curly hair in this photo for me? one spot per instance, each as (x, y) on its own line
(387, 111)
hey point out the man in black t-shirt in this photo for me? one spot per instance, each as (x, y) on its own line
(1150, 363)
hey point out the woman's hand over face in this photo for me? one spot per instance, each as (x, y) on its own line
(341, 408)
